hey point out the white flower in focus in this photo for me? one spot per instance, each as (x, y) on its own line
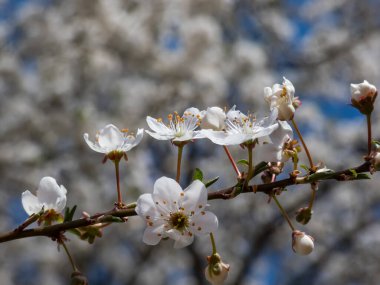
(214, 119)
(281, 96)
(241, 128)
(280, 147)
(362, 91)
(302, 243)
(175, 213)
(216, 271)
(111, 139)
(50, 196)
(179, 129)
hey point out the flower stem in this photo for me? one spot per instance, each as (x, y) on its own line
(213, 243)
(251, 167)
(179, 159)
(119, 198)
(69, 256)
(283, 212)
(303, 143)
(232, 161)
(369, 128)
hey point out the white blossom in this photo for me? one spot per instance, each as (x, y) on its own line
(281, 96)
(302, 243)
(179, 129)
(175, 213)
(50, 196)
(362, 91)
(241, 128)
(110, 138)
(213, 118)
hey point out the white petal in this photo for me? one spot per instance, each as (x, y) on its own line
(146, 208)
(158, 136)
(61, 201)
(195, 199)
(189, 135)
(185, 240)
(167, 194)
(92, 145)
(204, 223)
(158, 126)
(130, 141)
(236, 139)
(50, 194)
(110, 137)
(153, 235)
(30, 203)
(217, 137)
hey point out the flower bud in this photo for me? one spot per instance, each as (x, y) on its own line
(214, 119)
(216, 271)
(303, 215)
(363, 96)
(77, 278)
(302, 243)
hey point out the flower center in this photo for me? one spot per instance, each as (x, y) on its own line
(179, 221)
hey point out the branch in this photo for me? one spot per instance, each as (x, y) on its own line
(54, 230)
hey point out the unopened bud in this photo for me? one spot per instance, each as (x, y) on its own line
(376, 161)
(303, 215)
(214, 119)
(77, 278)
(363, 96)
(302, 243)
(216, 271)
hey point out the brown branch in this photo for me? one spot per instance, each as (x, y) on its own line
(54, 230)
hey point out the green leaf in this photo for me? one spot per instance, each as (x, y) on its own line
(243, 161)
(260, 167)
(212, 181)
(69, 214)
(303, 166)
(198, 174)
(354, 173)
(361, 176)
(321, 175)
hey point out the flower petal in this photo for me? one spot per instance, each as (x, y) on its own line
(157, 126)
(166, 194)
(30, 203)
(131, 141)
(204, 223)
(195, 199)
(185, 240)
(110, 138)
(92, 145)
(153, 235)
(162, 137)
(50, 194)
(217, 137)
(146, 208)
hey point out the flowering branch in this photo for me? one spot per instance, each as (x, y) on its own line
(53, 230)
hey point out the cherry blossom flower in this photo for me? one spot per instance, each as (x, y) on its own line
(110, 140)
(179, 129)
(281, 96)
(213, 118)
(50, 196)
(302, 243)
(241, 128)
(175, 213)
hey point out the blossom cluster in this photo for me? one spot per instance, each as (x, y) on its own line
(171, 212)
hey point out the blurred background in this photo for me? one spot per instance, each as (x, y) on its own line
(70, 67)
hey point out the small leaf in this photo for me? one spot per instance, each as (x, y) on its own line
(354, 173)
(69, 214)
(198, 174)
(361, 176)
(212, 181)
(303, 166)
(321, 175)
(243, 161)
(260, 167)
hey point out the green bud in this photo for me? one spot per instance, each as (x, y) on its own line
(303, 215)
